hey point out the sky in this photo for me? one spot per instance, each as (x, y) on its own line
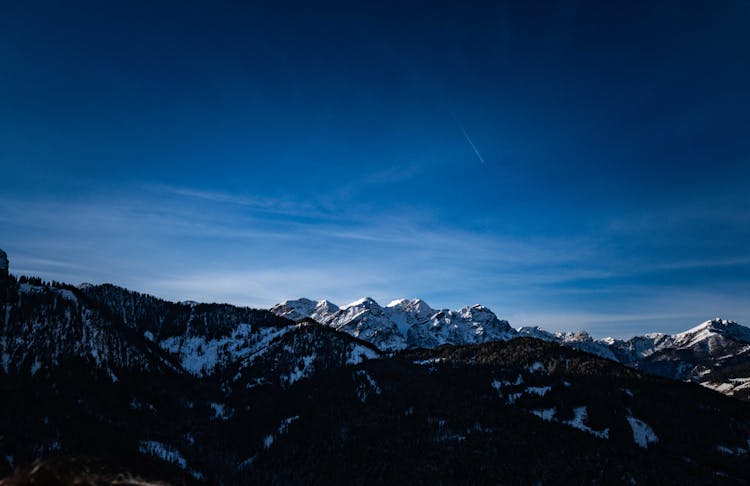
(573, 165)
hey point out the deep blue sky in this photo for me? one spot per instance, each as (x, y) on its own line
(252, 152)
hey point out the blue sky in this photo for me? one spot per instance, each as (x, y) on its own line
(583, 165)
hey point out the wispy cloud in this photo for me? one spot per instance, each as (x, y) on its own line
(278, 205)
(214, 246)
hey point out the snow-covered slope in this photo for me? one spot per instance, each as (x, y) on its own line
(470, 325)
(363, 318)
(580, 340)
(715, 353)
(299, 309)
(711, 336)
(44, 326)
(402, 323)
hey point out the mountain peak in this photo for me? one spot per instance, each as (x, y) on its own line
(417, 306)
(477, 312)
(326, 304)
(715, 323)
(712, 329)
(575, 336)
(295, 309)
(366, 302)
(398, 303)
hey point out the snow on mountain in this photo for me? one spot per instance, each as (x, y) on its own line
(638, 347)
(366, 320)
(536, 332)
(298, 353)
(200, 355)
(295, 309)
(113, 328)
(580, 340)
(469, 325)
(403, 322)
(46, 325)
(407, 312)
(715, 353)
(643, 434)
(712, 335)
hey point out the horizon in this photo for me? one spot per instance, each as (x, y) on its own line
(585, 168)
(393, 301)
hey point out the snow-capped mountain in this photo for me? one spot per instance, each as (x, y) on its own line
(469, 325)
(45, 326)
(217, 394)
(580, 340)
(402, 323)
(715, 353)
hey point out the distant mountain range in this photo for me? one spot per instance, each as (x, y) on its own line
(715, 354)
(311, 393)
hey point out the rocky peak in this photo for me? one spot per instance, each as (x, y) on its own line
(363, 303)
(712, 331)
(477, 313)
(295, 309)
(417, 307)
(575, 336)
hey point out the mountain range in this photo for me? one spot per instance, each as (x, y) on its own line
(191, 393)
(715, 354)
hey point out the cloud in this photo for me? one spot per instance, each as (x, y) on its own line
(271, 205)
(192, 244)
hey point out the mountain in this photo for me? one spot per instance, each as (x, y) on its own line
(715, 354)
(402, 323)
(194, 393)
(507, 412)
(312, 404)
(114, 374)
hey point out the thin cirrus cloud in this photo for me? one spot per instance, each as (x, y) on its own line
(192, 244)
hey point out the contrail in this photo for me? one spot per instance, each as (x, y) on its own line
(468, 139)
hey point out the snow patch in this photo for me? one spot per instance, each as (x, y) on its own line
(512, 397)
(163, 451)
(220, 411)
(643, 435)
(359, 354)
(538, 390)
(199, 356)
(732, 451)
(424, 362)
(547, 414)
(283, 428)
(366, 385)
(35, 366)
(302, 370)
(579, 420)
(537, 367)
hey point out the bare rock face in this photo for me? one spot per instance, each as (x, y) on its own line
(3, 264)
